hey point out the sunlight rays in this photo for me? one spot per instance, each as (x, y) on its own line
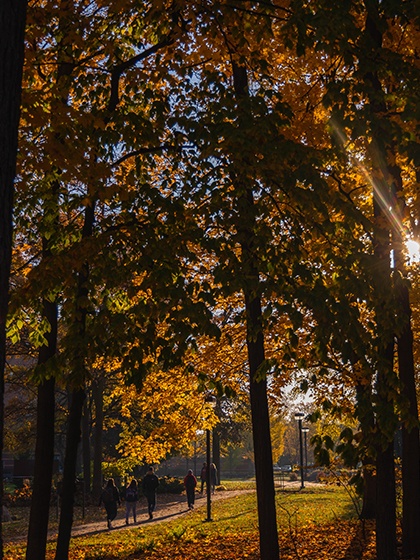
(378, 186)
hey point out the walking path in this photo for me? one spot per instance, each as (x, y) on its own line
(168, 507)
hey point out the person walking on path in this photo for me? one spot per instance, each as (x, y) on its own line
(110, 497)
(149, 487)
(213, 477)
(190, 482)
(203, 476)
(131, 497)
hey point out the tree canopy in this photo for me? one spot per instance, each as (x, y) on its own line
(217, 196)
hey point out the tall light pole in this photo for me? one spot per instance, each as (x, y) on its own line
(305, 430)
(299, 417)
(210, 400)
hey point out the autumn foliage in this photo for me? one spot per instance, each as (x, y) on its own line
(215, 198)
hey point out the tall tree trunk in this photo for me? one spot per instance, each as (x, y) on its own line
(269, 545)
(406, 369)
(86, 449)
(386, 542)
(386, 529)
(44, 452)
(12, 34)
(410, 433)
(44, 449)
(386, 539)
(77, 401)
(69, 474)
(369, 491)
(366, 418)
(98, 391)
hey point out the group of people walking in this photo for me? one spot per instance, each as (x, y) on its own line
(110, 496)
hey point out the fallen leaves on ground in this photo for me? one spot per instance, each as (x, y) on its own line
(344, 540)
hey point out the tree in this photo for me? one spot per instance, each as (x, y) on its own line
(12, 30)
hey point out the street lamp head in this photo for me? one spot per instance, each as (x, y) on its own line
(305, 430)
(299, 415)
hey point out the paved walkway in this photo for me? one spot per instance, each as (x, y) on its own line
(168, 506)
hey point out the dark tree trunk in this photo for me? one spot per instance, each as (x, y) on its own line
(410, 433)
(77, 401)
(410, 417)
(369, 491)
(386, 542)
(86, 449)
(69, 474)
(386, 419)
(98, 390)
(269, 546)
(12, 33)
(366, 418)
(267, 520)
(44, 450)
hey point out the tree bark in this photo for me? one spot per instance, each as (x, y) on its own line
(369, 491)
(69, 474)
(98, 391)
(12, 35)
(44, 449)
(267, 520)
(410, 433)
(77, 401)
(386, 538)
(407, 374)
(269, 545)
(86, 449)
(386, 542)
(366, 418)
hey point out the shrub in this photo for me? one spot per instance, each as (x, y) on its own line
(19, 496)
(170, 485)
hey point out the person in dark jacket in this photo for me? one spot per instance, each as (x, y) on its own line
(110, 498)
(131, 497)
(213, 477)
(190, 482)
(149, 487)
(203, 476)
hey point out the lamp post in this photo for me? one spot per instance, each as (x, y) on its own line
(299, 417)
(305, 430)
(210, 400)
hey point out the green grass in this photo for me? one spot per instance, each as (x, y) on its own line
(320, 505)
(240, 484)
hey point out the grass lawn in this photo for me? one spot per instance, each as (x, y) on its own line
(315, 523)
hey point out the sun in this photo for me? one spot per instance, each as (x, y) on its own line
(413, 249)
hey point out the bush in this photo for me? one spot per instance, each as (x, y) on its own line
(170, 485)
(19, 496)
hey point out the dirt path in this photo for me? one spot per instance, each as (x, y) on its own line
(168, 507)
